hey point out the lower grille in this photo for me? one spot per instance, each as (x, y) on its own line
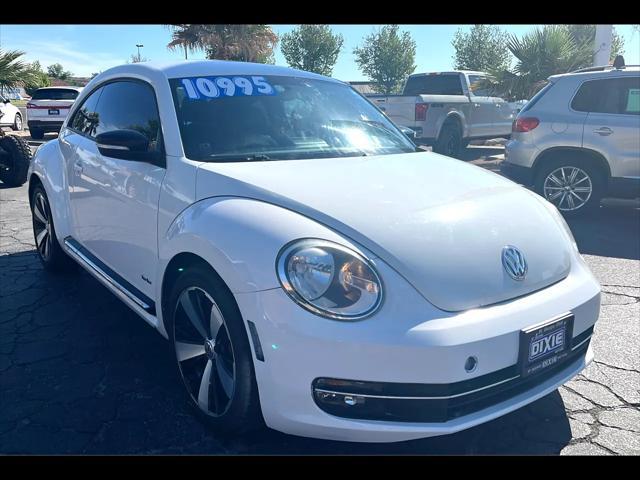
(432, 403)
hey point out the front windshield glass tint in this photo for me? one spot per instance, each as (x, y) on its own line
(233, 119)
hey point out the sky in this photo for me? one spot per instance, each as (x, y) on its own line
(86, 49)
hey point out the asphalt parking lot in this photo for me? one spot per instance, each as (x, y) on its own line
(81, 373)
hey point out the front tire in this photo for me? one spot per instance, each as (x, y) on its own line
(212, 352)
(15, 173)
(51, 254)
(575, 187)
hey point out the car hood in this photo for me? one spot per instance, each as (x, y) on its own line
(440, 223)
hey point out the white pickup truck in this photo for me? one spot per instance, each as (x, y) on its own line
(448, 109)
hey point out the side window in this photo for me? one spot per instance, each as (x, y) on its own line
(85, 119)
(613, 95)
(129, 105)
(479, 86)
(631, 96)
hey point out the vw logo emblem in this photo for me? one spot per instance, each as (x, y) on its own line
(514, 262)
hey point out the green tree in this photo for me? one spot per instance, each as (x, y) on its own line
(313, 48)
(387, 57)
(57, 71)
(40, 79)
(244, 43)
(14, 72)
(483, 48)
(543, 52)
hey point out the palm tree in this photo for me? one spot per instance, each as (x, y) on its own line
(245, 43)
(547, 51)
(13, 71)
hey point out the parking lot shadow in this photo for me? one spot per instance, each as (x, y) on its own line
(81, 373)
(613, 231)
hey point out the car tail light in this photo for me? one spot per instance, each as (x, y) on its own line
(421, 111)
(525, 124)
(31, 105)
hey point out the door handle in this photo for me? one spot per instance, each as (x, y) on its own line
(604, 131)
(477, 105)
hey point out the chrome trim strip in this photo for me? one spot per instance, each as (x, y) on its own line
(417, 398)
(112, 147)
(581, 343)
(104, 275)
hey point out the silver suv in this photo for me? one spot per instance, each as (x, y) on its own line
(578, 139)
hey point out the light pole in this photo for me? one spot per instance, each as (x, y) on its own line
(602, 45)
(139, 47)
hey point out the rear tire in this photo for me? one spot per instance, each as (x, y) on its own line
(37, 133)
(51, 254)
(449, 141)
(15, 174)
(573, 184)
(214, 360)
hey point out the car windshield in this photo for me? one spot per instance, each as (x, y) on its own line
(55, 94)
(245, 118)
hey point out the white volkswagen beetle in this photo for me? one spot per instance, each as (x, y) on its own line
(307, 264)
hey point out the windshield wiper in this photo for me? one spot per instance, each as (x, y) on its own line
(252, 157)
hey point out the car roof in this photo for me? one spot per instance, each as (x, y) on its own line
(626, 71)
(196, 68)
(64, 87)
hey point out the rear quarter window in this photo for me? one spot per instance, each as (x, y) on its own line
(619, 95)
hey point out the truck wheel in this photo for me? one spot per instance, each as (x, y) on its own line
(574, 186)
(18, 156)
(449, 141)
(17, 123)
(36, 133)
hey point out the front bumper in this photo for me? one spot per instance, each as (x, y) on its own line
(408, 341)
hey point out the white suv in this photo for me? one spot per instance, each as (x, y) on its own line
(578, 139)
(309, 266)
(48, 109)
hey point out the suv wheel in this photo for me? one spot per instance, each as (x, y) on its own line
(17, 123)
(573, 187)
(212, 352)
(36, 133)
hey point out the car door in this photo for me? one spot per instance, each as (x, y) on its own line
(115, 201)
(503, 115)
(483, 110)
(612, 125)
(7, 116)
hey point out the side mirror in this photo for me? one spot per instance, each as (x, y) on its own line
(126, 145)
(408, 132)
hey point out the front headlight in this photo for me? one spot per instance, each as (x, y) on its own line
(329, 280)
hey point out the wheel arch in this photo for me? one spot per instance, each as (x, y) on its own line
(585, 154)
(454, 116)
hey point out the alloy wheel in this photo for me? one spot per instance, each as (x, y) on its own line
(568, 188)
(204, 351)
(42, 226)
